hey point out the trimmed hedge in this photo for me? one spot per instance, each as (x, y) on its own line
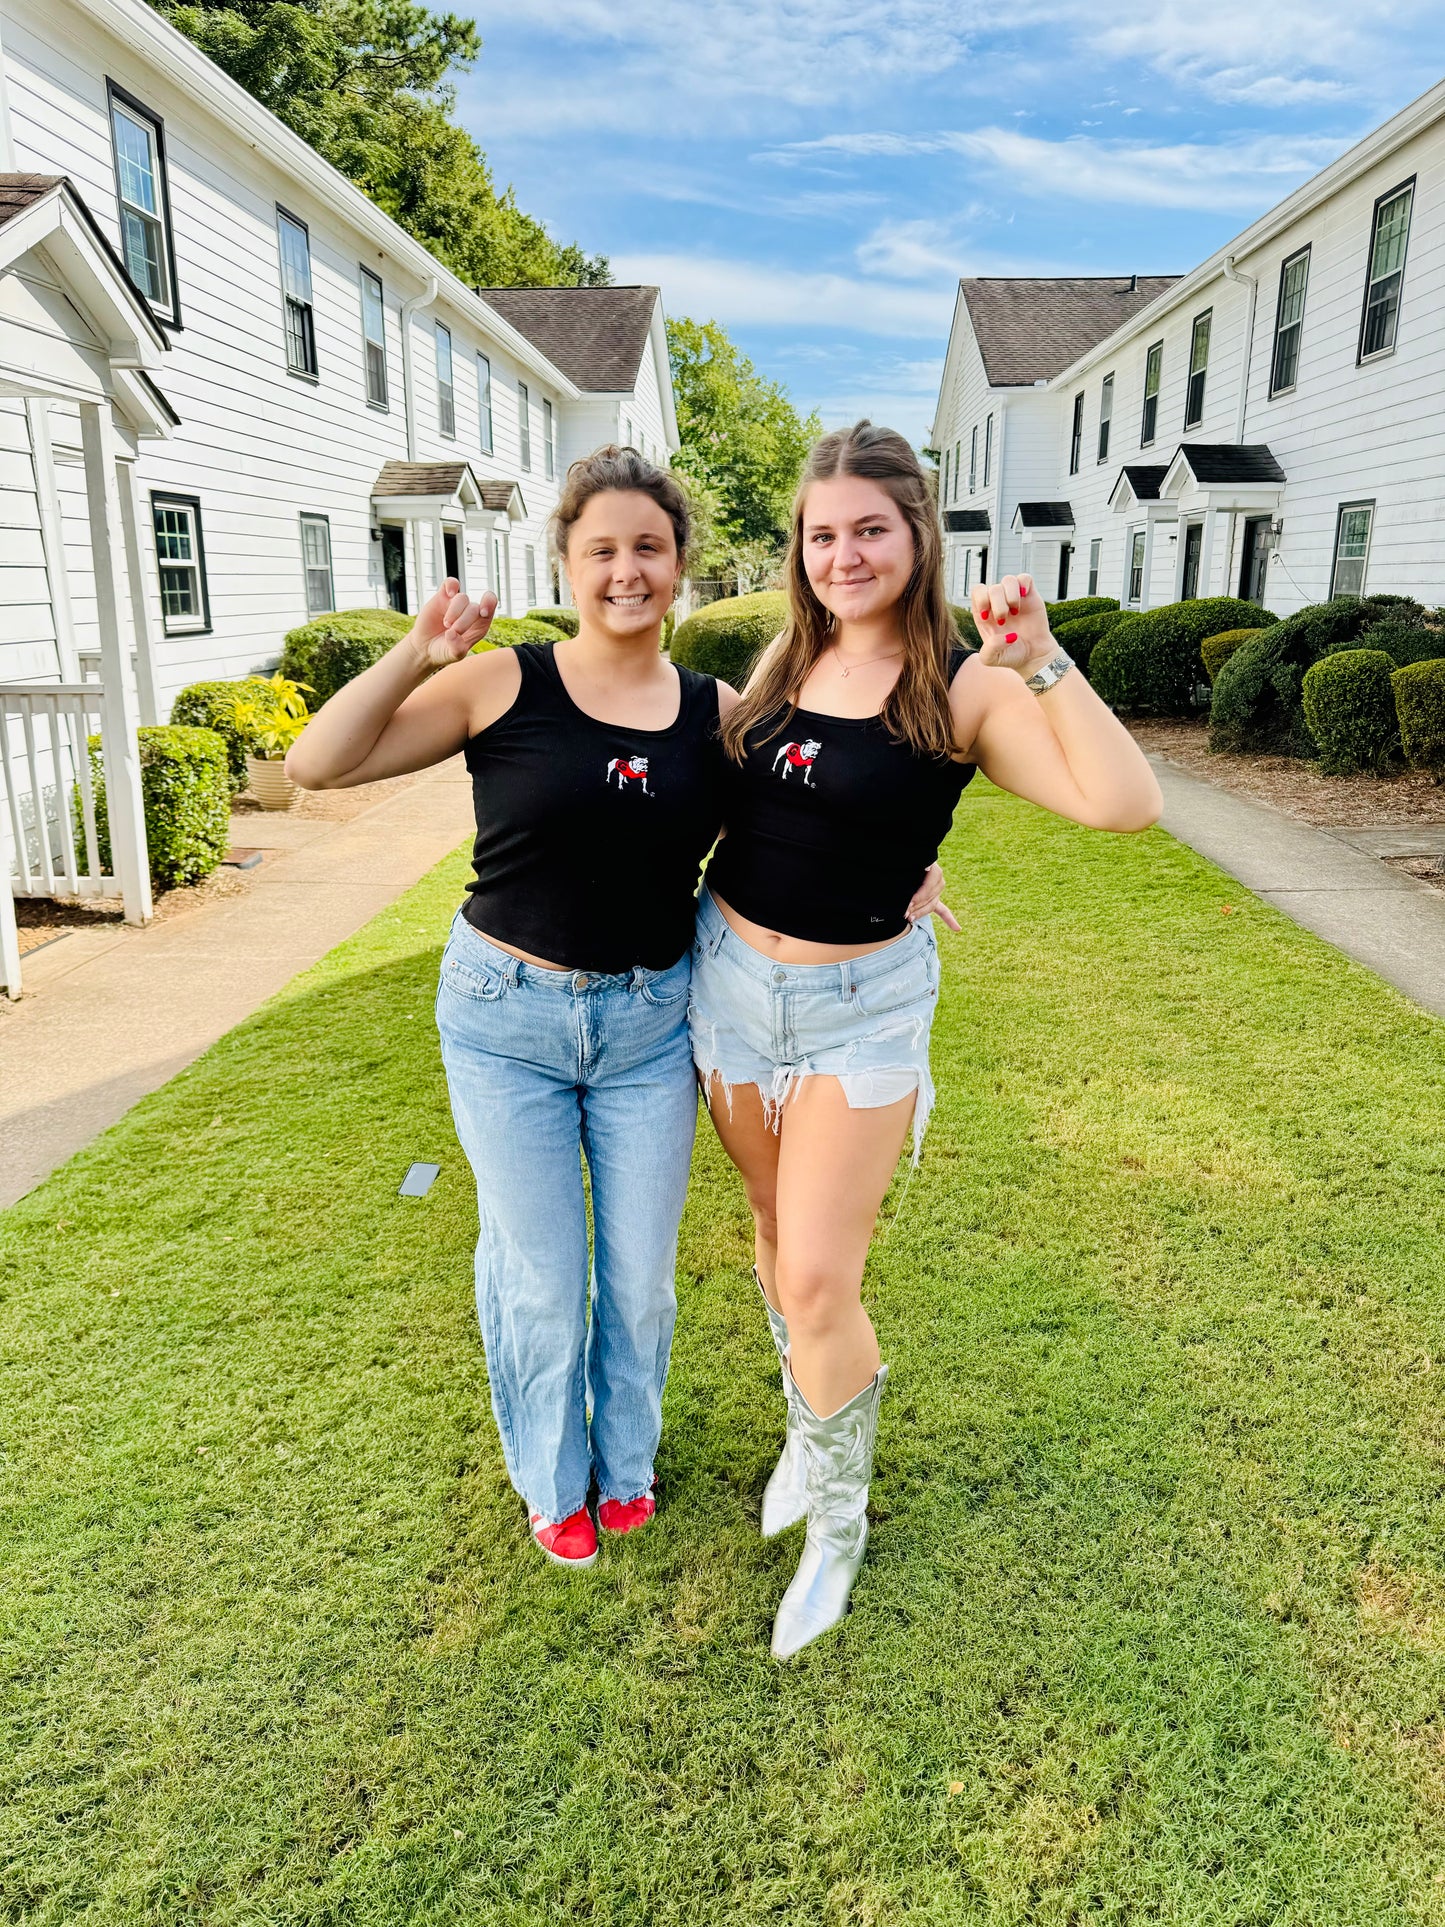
(1403, 641)
(1258, 703)
(1151, 659)
(966, 626)
(1082, 635)
(1349, 706)
(1420, 706)
(1075, 608)
(507, 631)
(567, 620)
(725, 638)
(1215, 651)
(207, 705)
(186, 797)
(353, 639)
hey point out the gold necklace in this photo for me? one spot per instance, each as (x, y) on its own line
(847, 670)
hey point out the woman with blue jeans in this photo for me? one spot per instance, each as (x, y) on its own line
(562, 1006)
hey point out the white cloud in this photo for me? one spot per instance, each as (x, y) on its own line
(752, 294)
(911, 251)
(1232, 174)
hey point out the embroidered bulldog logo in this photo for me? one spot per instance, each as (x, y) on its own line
(627, 770)
(798, 756)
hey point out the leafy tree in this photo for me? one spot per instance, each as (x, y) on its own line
(743, 444)
(365, 83)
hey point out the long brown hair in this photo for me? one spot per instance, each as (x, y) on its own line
(916, 710)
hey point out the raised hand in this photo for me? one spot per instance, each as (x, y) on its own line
(1012, 623)
(450, 623)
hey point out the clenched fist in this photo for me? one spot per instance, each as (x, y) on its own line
(1013, 624)
(450, 623)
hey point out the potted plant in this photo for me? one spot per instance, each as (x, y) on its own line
(271, 719)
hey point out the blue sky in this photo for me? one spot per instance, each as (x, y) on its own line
(816, 177)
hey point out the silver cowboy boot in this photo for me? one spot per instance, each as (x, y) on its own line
(785, 1497)
(838, 1454)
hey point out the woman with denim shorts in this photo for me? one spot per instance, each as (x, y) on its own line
(562, 1007)
(812, 990)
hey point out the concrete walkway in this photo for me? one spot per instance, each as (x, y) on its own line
(111, 1013)
(1331, 881)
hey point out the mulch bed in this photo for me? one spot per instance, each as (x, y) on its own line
(1297, 788)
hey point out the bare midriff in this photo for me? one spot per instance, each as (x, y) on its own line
(796, 950)
(542, 963)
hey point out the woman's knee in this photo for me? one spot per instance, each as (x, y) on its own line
(764, 1207)
(815, 1297)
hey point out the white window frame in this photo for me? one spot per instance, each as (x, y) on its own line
(1281, 325)
(524, 423)
(1397, 274)
(1134, 582)
(486, 433)
(297, 308)
(943, 489)
(529, 555)
(549, 441)
(1076, 434)
(1106, 415)
(1096, 549)
(1149, 421)
(987, 450)
(973, 460)
(1366, 508)
(313, 525)
(957, 458)
(446, 383)
(1194, 409)
(199, 622)
(373, 345)
(155, 221)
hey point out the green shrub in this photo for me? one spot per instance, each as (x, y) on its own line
(1403, 641)
(669, 627)
(186, 797)
(507, 631)
(1077, 607)
(1215, 651)
(1257, 703)
(1081, 635)
(1151, 659)
(1349, 707)
(1420, 707)
(966, 626)
(725, 638)
(377, 627)
(207, 705)
(567, 620)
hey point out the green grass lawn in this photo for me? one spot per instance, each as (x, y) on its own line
(1153, 1623)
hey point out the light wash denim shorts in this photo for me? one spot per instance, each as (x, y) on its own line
(865, 1022)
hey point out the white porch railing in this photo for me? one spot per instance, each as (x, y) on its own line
(44, 773)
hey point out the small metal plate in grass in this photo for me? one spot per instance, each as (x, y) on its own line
(419, 1180)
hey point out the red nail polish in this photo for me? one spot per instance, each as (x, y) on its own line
(1011, 636)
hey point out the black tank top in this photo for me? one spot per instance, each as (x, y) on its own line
(831, 822)
(590, 836)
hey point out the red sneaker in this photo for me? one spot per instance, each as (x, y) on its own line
(626, 1515)
(573, 1542)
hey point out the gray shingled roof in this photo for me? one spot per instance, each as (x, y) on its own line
(596, 336)
(498, 495)
(1224, 462)
(19, 191)
(419, 478)
(1044, 515)
(1029, 330)
(966, 521)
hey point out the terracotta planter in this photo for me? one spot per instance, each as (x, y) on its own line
(270, 785)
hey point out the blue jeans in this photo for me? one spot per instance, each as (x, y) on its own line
(545, 1068)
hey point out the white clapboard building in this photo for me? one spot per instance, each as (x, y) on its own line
(233, 394)
(320, 414)
(1268, 425)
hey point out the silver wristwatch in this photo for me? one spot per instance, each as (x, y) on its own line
(1045, 678)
